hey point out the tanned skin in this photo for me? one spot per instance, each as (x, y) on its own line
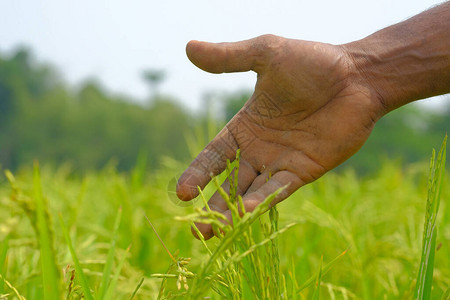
(314, 104)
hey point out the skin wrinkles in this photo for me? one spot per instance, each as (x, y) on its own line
(315, 104)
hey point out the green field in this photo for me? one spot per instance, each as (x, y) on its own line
(369, 228)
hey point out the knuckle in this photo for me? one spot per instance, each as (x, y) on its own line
(268, 38)
(264, 48)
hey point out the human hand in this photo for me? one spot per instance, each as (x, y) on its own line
(310, 111)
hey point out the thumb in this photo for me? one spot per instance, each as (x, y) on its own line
(226, 57)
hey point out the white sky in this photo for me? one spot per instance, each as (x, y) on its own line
(115, 40)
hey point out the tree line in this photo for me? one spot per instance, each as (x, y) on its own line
(43, 118)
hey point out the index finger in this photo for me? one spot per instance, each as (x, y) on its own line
(210, 162)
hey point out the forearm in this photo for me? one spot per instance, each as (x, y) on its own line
(407, 61)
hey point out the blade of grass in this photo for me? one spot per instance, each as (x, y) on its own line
(137, 288)
(446, 295)
(112, 286)
(284, 295)
(270, 238)
(160, 239)
(8, 284)
(325, 270)
(425, 273)
(316, 294)
(3, 252)
(110, 258)
(294, 281)
(48, 264)
(201, 237)
(225, 248)
(78, 268)
(238, 229)
(274, 256)
(168, 274)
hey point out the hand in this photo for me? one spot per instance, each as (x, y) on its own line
(310, 111)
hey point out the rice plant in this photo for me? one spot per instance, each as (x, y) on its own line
(245, 262)
(342, 237)
(435, 181)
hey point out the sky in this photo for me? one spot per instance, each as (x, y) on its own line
(114, 41)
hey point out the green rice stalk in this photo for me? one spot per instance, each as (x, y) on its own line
(161, 241)
(236, 172)
(205, 217)
(316, 294)
(274, 257)
(254, 267)
(294, 281)
(164, 281)
(250, 264)
(71, 283)
(228, 200)
(3, 265)
(24, 202)
(78, 268)
(227, 263)
(110, 258)
(270, 238)
(241, 205)
(446, 295)
(158, 275)
(9, 285)
(233, 180)
(425, 273)
(324, 271)
(49, 269)
(201, 237)
(239, 228)
(113, 284)
(217, 225)
(137, 288)
(218, 263)
(202, 196)
(228, 240)
(284, 295)
(237, 255)
(180, 264)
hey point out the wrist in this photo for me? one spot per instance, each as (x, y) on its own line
(364, 73)
(407, 61)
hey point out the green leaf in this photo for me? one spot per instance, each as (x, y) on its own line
(324, 270)
(3, 252)
(48, 264)
(112, 286)
(110, 259)
(316, 293)
(78, 268)
(426, 267)
(137, 288)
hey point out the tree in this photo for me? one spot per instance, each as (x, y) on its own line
(153, 78)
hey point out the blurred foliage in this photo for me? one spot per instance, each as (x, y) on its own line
(42, 118)
(379, 220)
(406, 134)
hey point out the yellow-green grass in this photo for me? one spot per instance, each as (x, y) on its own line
(370, 228)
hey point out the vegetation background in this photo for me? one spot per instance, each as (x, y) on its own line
(43, 118)
(99, 151)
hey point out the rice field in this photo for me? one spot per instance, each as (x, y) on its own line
(112, 235)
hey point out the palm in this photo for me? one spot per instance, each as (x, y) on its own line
(303, 119)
